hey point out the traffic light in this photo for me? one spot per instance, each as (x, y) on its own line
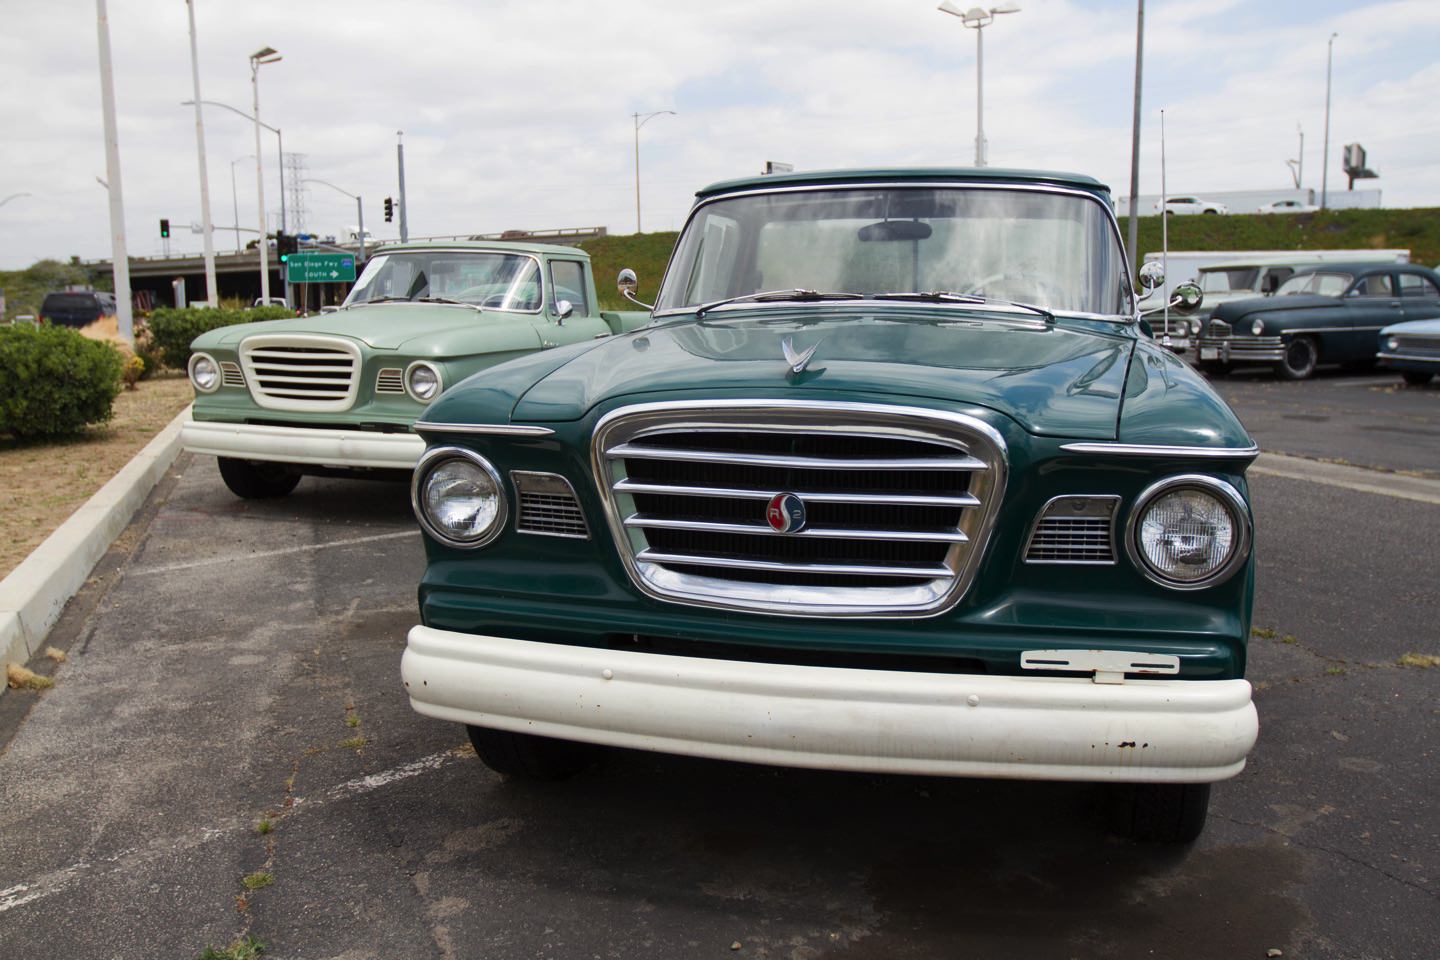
(286, 244)
(164, 229)
(389, 209)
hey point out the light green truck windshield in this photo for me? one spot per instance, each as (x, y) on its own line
(497, 281)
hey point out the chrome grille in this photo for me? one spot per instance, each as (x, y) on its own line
(1217, 328)
(547, 506)
(390, 380)
(898, 504)
(230, 374)
(301, 371)
(1414, 344)
(1074, 530)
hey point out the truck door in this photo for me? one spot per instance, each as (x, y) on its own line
(565, 280)
(1372, 303)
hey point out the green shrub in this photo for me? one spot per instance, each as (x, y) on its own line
(53, 381)
(174, 329)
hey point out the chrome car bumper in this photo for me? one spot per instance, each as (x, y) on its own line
(1236, 349)
(1409, 361)
(318, 446)
(883, 721)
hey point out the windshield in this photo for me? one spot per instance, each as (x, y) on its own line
(499, 281)
(1325, 284)
(1053, 250)
(1231, 278)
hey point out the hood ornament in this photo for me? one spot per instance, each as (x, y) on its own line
(797, 361)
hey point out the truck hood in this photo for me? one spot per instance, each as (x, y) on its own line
(424, 329)
(1235, 309)
(1057, 380)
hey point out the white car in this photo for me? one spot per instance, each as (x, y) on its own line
(1175, 205)
(1288, 206)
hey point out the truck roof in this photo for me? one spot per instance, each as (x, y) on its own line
(502, 246)
(887, 175)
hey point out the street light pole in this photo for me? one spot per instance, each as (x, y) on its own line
(978, 19)
(279, 144)
(640, 121)
(264, 55)
(1132, 233)
(1325, 157)
(13, 196)
(404, 207)
(211, 290)
(119, 257)
(234, 201)
(359, 209)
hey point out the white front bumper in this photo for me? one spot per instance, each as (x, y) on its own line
(315, 446)
(1046, 728)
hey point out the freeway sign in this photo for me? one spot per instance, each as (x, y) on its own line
(320, 267)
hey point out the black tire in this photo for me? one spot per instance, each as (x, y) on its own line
(1216, 212)
(1302, 356)
(257, 481)
(1416, 378)
(529, 756)
(1159, 812)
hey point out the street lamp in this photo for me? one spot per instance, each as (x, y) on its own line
(359, 209)
(211, 290)
(1325, 160)
(279, 144)
(261, 56)
(13, 196)
(234, 201)
(640, 120)
(977, 19)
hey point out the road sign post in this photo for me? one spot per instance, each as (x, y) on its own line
(308, 267)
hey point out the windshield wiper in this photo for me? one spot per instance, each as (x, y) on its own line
(363, 303)
(796, 295)
(947, 296)
(458, 303)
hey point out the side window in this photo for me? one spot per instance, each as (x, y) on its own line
(1414, 285)
(1377, 285)
(567, 281)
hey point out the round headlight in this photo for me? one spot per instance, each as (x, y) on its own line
(1195, 327)
(1258, 327)
(1392, 343)
(458, 498)
(1189, 532)
(204, 373)
(422, 381)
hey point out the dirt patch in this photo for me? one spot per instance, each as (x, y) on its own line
(42, 482)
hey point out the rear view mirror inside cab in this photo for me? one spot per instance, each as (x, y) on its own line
(895, 230)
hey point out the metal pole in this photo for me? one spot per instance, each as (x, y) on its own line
(235, 203)
(404, 207)
(980, 95)
(1132, 235)
(121, 261)
(264, 244)
(280, 147)
(1300, 165)
(1325, 156)
(211, 289)
(637, 172)
(360, 217)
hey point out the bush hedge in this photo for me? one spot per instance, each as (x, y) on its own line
(53, 381)
(174, 329)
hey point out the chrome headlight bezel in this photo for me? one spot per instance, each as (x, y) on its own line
(1257, 328)
(1226, 495)
(1392, 342)
(434, 370)
(196, 359)
(427, 465)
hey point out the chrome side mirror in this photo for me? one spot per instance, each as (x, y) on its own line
(563, 309)
(1152, 275)
(628, 283)
(1186, 298)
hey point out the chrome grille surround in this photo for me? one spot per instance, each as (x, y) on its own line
(1416, 344)
(875, 574)
(390, 380)
(230, 374)
(1074, 529)
(546, 506)
(301, 371)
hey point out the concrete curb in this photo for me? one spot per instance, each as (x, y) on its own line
(34, 594)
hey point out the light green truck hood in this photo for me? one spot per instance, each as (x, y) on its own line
(418, 329)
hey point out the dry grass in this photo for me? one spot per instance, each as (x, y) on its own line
(19, 678)
(42, 482)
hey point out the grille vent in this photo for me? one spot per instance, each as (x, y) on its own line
(548, 507)
(230, 374)
(1074, 530)
(1217, 328)
(301, 371)
(390, 380)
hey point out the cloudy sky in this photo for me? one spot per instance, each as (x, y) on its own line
(517, 113)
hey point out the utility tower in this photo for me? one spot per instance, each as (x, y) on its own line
(295, 189)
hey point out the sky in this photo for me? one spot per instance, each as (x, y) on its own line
(517, 114)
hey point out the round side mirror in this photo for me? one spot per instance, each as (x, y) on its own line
(1186, 298)
(563, 309)
(1152, 275)
(627, 282)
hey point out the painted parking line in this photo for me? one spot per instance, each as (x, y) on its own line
(1347, 477)
(266, 554)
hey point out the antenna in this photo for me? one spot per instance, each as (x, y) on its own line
(1164, 224)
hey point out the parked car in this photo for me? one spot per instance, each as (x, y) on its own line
(1220, 283)
(76, 308)
(1287, 206)
(1325, 314)
(1174, 205)
(1413, 348)
(271, 302)
(893, 482)
(337, 392)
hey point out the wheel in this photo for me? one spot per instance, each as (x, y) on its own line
(1213, 211)
(1301, 356)
(1416, 378)
(526, 755)
(257, 481)
(1159, 812)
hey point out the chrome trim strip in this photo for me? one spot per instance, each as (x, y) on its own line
(1160, 450)
(1422, 358)
(417, 480)
(640, 521)
(483, 429)
(731, 493)
(631, 451)
(839, 569)
(1238, 510)
(1045, 510)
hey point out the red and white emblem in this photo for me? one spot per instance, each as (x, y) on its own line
(785, 513)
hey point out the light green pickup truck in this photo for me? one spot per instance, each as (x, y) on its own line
(336, 394)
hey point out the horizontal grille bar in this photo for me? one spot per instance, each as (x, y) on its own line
(834, 569)
(635, 451)
(883, 499)
(707, 526)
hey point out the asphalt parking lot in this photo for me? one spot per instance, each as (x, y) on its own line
(235, 664)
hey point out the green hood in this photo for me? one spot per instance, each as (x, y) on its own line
(1057, 380)
(418, 329)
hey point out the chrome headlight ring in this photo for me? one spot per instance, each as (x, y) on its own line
(201, 368)
(432, 382)
(1223, 493)
(433, 460)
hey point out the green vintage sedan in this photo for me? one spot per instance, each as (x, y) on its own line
(894, 481)
(336, 394)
